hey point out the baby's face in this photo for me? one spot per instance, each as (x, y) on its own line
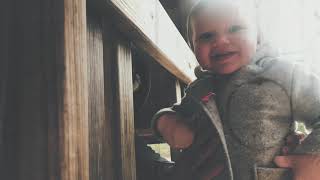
(223, 39)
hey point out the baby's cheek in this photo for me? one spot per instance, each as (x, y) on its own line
(202, 57)
(248, 51)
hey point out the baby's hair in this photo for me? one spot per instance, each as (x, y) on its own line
(247, 6)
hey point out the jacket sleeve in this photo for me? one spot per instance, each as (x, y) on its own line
(305, 99)
(186, 108)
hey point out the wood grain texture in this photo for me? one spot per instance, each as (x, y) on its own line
(118, 104)
(147, 24)
(111, 128)
(73, 126)
(65, 54)
(100, 138)
(125, 111)
(47, 126)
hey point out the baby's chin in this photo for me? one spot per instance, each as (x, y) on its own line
(225, 70)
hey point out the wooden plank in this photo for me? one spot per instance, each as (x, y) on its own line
(111, 128)
(119, 104)
(73, 127)
(147, 24)
(100, 138)
(125, 112)
(47, 126)
(65, 54)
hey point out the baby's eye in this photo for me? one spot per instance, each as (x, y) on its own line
(207, 36)
(235, 28)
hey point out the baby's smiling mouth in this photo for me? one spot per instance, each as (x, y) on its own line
(223, 56)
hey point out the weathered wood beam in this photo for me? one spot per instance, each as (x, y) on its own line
(74, 146)
(147, 24)
(65, 54)
(100, 136)
(111, 130)
(47, 99)
(125, 111)
(119, 111)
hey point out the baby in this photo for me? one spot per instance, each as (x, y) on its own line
(258, 97)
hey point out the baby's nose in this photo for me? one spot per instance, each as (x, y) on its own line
(221, 40)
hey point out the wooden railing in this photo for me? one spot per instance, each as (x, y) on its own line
(148, 25)
(69, 107)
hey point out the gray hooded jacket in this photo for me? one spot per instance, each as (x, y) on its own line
(258, 106)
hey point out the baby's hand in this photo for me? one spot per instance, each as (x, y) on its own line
(177, 134)
(292, 141)
(304, 167)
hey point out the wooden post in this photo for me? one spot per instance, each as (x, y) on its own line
(70, 57)
(100, 136)
(46, 132)
(48, 114)
(119, 103)
(109, 66)
(125, 111)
